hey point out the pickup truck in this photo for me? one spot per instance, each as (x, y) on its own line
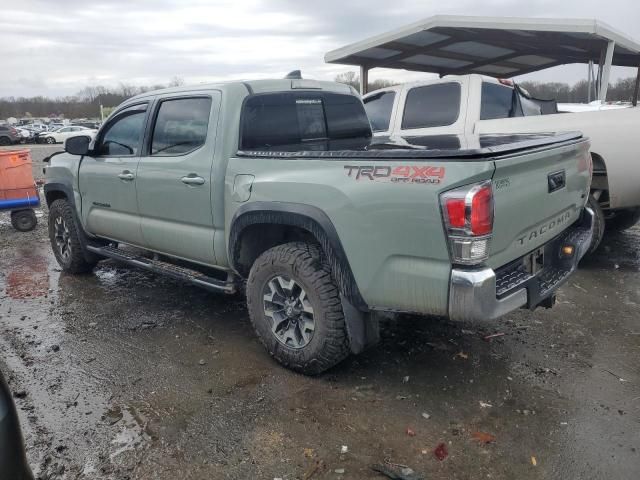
(478, 104)
(278, 187)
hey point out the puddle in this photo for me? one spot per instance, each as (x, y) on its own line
(28, 277)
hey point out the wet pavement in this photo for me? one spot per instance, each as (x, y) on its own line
(123, 374)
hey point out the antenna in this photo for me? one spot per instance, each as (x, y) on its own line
(294, 75)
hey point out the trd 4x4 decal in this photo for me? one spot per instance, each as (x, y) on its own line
(396, 174)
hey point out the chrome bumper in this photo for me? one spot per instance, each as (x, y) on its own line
(473, 294)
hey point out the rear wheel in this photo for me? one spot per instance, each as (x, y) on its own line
(598, 224)
(295, 308)
(4, 141)
(623, 219)
(24, 220)
(65, 242)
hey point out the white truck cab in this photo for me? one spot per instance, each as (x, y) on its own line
(448, 105)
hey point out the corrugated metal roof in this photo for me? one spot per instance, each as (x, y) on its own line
(496, 46)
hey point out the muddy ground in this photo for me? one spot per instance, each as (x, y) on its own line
(122, 374)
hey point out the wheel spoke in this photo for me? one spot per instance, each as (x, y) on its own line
(289, 309)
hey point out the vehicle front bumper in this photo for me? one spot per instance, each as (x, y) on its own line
(485, 294)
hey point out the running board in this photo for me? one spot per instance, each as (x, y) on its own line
(165, 268)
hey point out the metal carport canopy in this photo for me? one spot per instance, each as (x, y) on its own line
(495, 46)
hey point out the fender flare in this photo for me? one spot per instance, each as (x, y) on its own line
(308, 218)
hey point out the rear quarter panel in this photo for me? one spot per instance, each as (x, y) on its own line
(614, 136)
(392, 233)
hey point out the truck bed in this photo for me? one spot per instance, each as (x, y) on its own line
(455, 147)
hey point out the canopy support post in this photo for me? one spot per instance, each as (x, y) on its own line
(589, 81)
(605, 72)
(364, 80)
(634, 101)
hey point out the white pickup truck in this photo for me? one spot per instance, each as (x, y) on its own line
(473, 104)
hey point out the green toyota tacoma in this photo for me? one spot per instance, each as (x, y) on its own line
(277, 187)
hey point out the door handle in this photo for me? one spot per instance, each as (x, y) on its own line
(126, 175)
(192, 179)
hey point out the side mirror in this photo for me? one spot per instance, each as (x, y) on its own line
(78, 145)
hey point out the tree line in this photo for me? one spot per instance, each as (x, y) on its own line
(86, 103)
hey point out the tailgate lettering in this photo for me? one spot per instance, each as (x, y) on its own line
(555, 223)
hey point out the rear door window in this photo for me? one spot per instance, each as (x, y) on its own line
(181, 126)
(290, 118)
(432, 106)
(497, 101)
(379, 107)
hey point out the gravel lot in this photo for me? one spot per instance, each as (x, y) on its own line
(124, 374)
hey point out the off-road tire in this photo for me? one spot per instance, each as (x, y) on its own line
(306, 265)
(598, 224)
(24, 220)
(623, 220)
(76, 262)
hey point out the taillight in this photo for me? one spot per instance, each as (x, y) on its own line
(468, 218)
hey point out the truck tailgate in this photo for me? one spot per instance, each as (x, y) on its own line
(538, 193)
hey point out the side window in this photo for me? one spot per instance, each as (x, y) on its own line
(379, 107)
(432, 106)
(122, 136)
(65, 129)
(181, 126)
(274, 120)
(497, 101)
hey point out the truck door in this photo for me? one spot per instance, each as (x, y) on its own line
(433, 109)
(107, 179)
(175, 177)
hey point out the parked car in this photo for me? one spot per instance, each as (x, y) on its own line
(55, 126)
(26, 134)
(61, 134)
(9, 135)
(278, 183)
(479, 104)
(37, 127)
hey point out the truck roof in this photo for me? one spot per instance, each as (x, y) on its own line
(255, 86)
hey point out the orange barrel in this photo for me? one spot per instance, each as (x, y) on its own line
(17, 188)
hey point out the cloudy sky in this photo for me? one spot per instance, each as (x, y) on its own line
(57, 47)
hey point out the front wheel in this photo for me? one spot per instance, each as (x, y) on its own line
(65, 242)
(50, 140)
(294, 306)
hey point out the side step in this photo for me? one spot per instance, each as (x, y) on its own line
(165, 268)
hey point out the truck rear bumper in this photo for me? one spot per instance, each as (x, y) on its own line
(486, 294)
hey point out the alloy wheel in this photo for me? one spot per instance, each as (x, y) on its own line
(287, 306)
(62, 237)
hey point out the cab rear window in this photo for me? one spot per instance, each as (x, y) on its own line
(291, 118)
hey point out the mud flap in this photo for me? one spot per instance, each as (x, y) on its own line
(363, 328)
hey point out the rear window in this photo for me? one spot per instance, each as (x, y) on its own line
(379, 107)
(279, 119)
(497, 101)
(432, 106)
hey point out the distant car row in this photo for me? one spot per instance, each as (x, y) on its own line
(10, 135)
